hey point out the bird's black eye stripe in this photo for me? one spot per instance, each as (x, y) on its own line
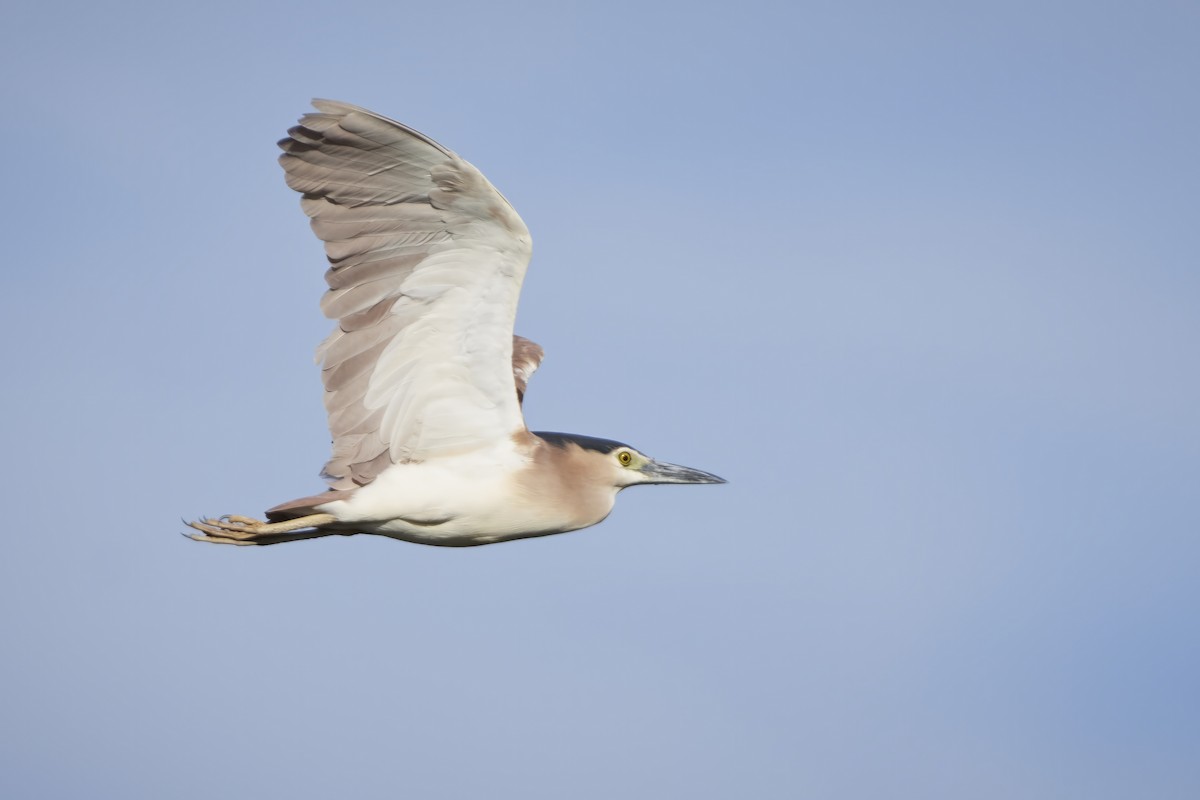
(586, 442)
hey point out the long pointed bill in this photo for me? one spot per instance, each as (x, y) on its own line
(658, 472)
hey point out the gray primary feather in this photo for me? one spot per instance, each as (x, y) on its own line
(426, 262)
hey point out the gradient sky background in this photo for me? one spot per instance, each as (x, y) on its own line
(921, 280)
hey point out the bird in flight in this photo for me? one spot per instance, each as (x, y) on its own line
(423, 376)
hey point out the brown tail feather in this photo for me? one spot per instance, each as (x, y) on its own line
(306, 505)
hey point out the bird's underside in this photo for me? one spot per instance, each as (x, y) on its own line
(423, 376)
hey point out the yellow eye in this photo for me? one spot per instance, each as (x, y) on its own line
(625, 457)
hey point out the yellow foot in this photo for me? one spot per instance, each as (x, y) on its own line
(235, 529)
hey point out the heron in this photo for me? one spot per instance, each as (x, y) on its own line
(424, 378)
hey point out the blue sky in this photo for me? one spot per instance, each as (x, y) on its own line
(921, 281)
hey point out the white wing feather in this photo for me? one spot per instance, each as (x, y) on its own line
(427, 260)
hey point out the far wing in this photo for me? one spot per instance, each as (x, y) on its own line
(526, 357)
(427, 260)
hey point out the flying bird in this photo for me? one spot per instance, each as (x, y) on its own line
(423, 376)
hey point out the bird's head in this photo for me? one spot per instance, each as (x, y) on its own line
(619, 465)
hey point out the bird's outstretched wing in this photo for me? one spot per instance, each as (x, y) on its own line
(426, 263)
